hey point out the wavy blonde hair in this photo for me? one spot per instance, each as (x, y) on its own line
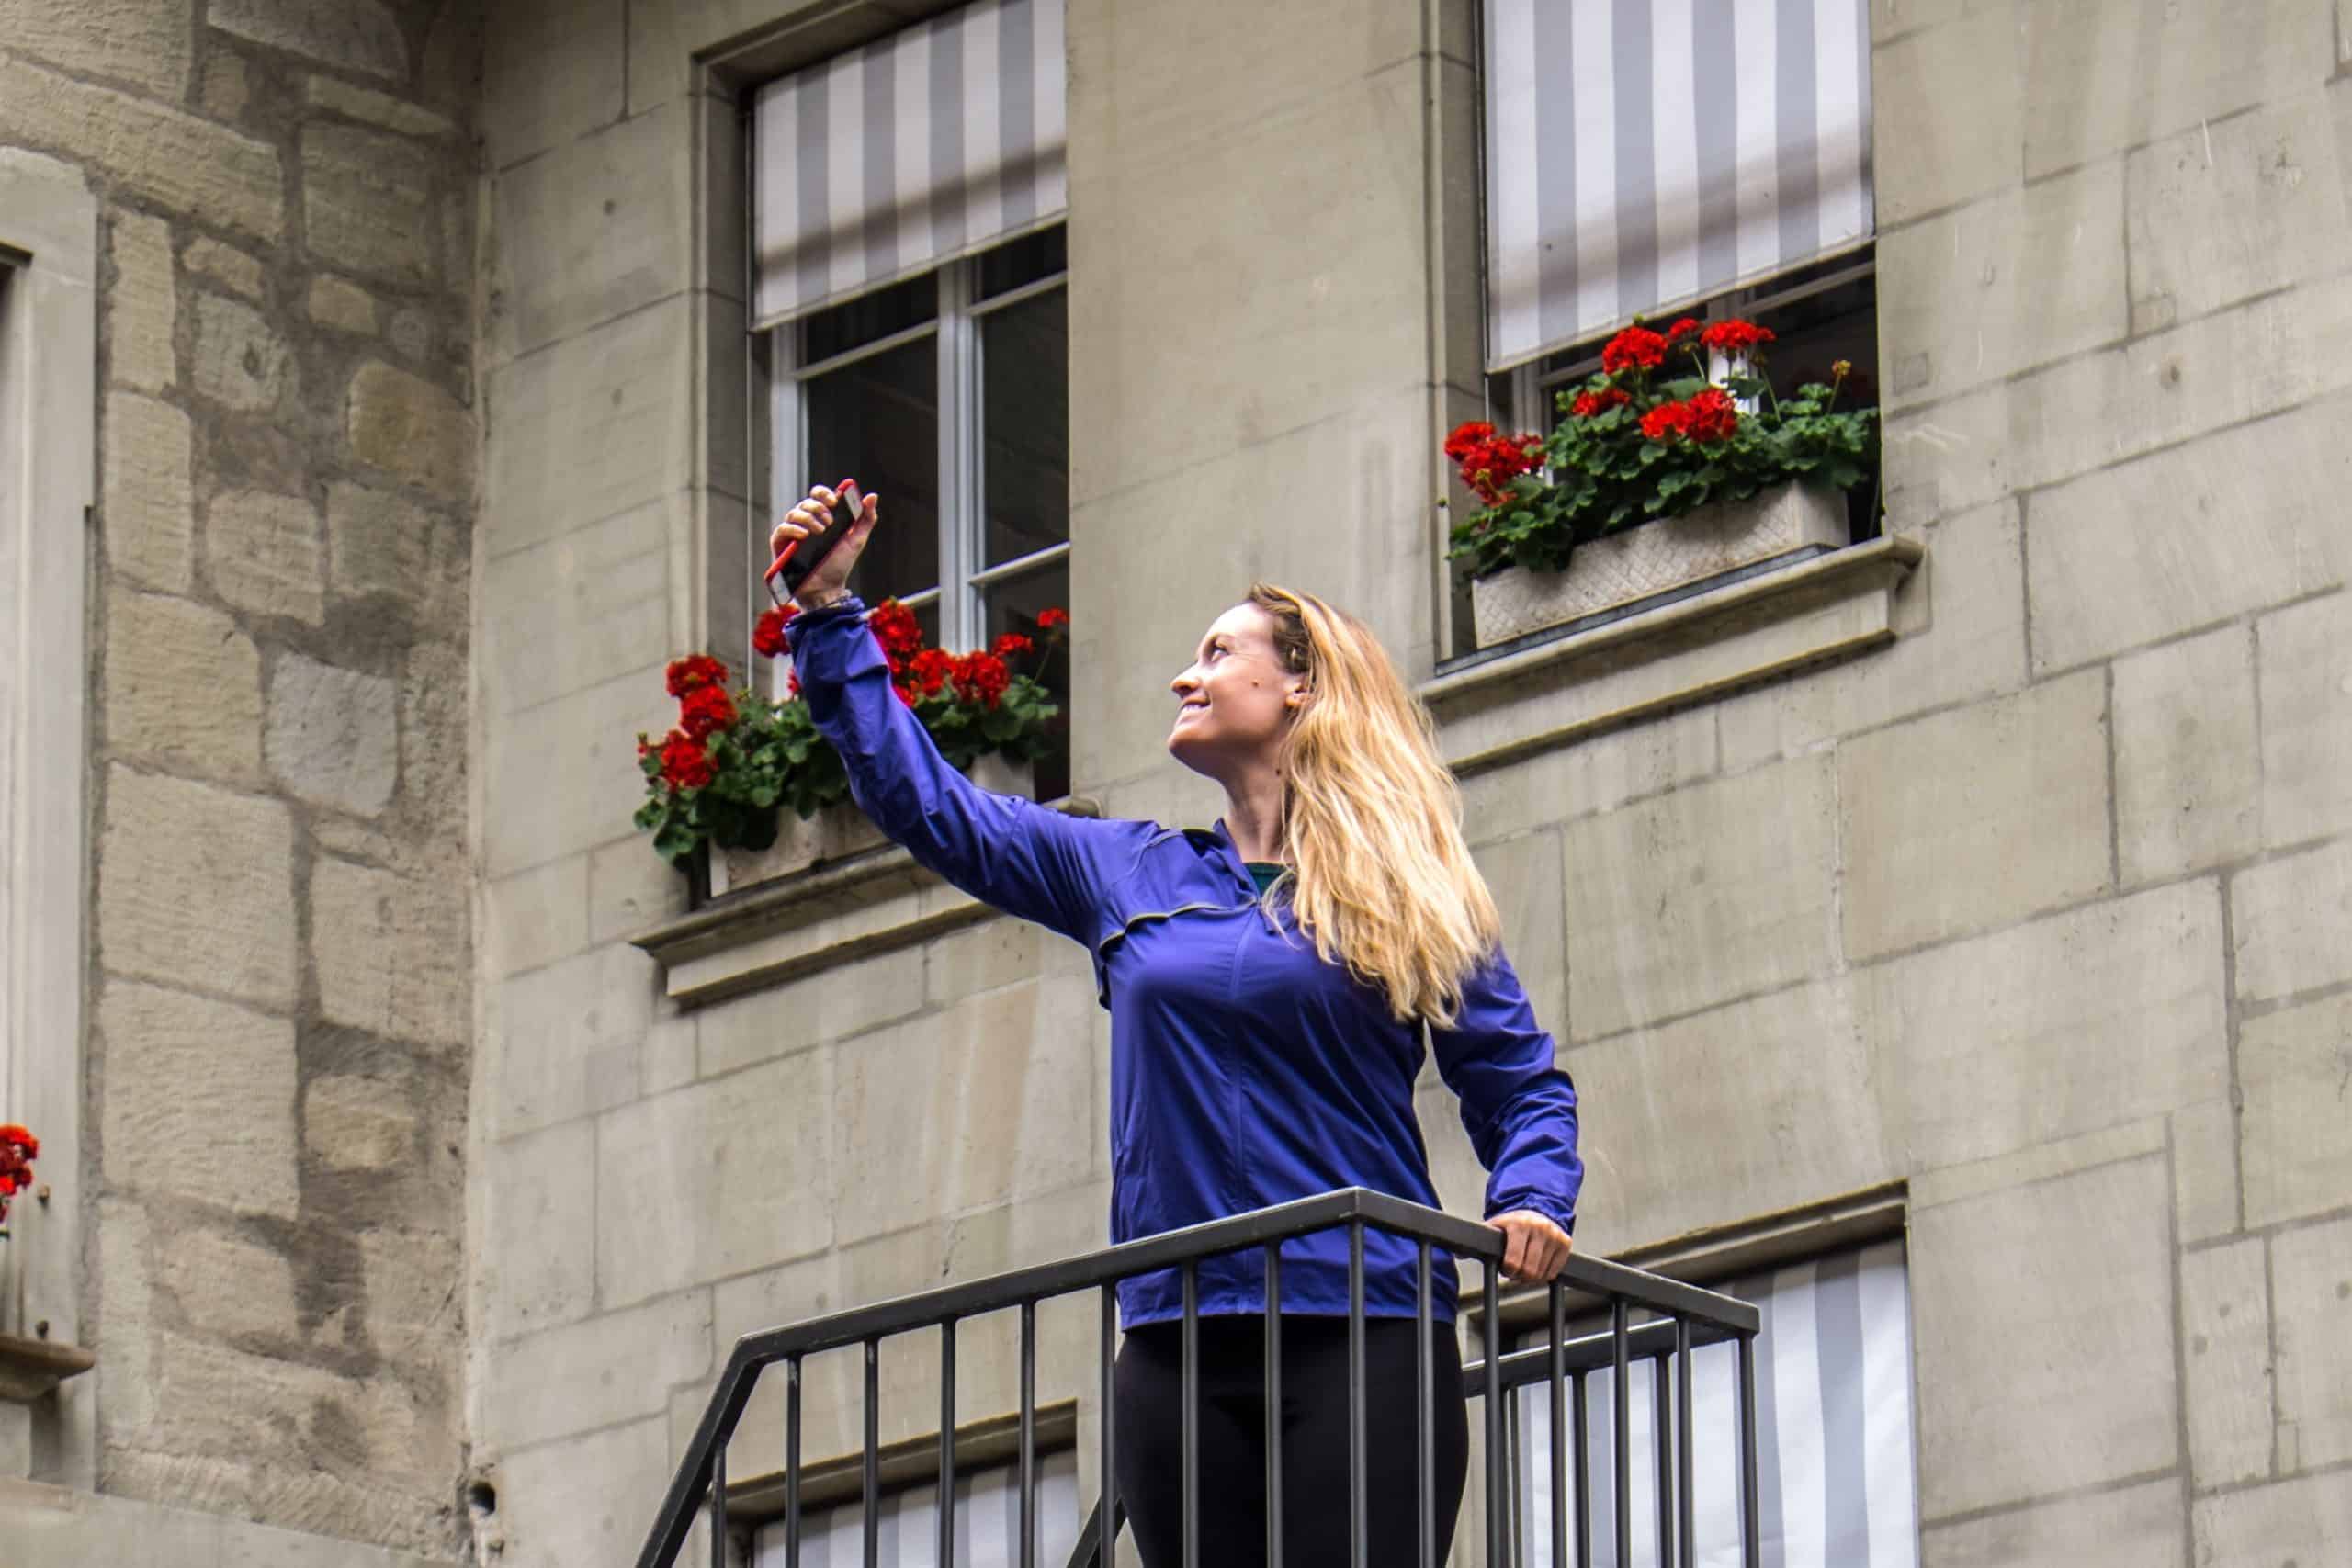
(1380, 877)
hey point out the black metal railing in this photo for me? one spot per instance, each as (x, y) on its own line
(1678, 1319)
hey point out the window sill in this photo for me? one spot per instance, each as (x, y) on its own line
(31, 1367)
(1503, 709)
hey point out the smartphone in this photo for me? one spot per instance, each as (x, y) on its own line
(801, 556)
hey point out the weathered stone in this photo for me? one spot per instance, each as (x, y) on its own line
(535, 917)
(142, 44)
(230, 1286)
(2312, 1268)
(2205, 1170)
(551, 70)
(2135, 1527)
(584, 1500)
(1943, 142)
(2057, 1027)
(173, 159)
(383, 543)
(2288, 918)
(390, 952)
(2142, 552)
(535, 1392)
(264, 554)
(436, 702)
(1716, 891)
(353, 1122)
(376, 108)
(998, 952)
(127, 1327)
(1936, 1185)
(413, 1285)
(343, 306)
(143, 304)
(1595, 774)
(180, 1069)
(226, 87)
(226, 266)
(578, 610)
(666, 1061)
(183, 687)
(563, 775)
(150, 505)
(539, 1262)
(1974, 818)
(412, 429)
(565, 1039)
(2304, 1522)
(2087, 1265)
(2188, 784)
(332, 735)
(368, 202)
(1523, 877)
(725, 1177)
(240, 359)
(2225, 1331)
(2306, 655)
(630, 888)
(834, 1005)
(196, 886)
(2295, 1138)
(410, 332)
(358, 34)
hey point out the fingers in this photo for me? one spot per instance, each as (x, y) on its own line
(1533, 1248)
(1514, 1251)
(810, 517)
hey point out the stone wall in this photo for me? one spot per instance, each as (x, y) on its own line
(281, 987)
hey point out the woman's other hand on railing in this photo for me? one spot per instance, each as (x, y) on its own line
(1533, 1248)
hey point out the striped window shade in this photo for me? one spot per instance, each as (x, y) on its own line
(1645, 154)
(919, 148)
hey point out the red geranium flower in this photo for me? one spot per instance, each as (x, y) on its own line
(896, 629)
(1681, 330)
(706, 710)
(1633, 346)
(1049, 619)
(930, 670)
(1489, 462)
(1735, 337)
(1713, 416)
(981, 678)
(1666, 420)
(1588, 404)
(767, 634)
(1012, 644)
(684, 763)
(694, 673)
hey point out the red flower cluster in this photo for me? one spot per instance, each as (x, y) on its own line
(1588, 404)
(1709, 416)
(1489, 462)
(1047, 620)
(767, 632)
(895, 627)
(1636, 346)
(981, 678)
(1012, 644)
(705, 711)
(917, 672)
(699, 683)
(18, 1149)
(694, 672)
(684, 763)
(1735, 337)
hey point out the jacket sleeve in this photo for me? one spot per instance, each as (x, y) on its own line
(1025, 859)
(1519, 1109)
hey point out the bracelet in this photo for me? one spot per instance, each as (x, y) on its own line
(826, 602)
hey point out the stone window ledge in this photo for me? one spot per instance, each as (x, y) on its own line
(31, 1367)
(1822, 609)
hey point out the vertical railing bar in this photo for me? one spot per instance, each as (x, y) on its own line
(1559, 1384)
(792, 1463)
(947, 1441)
(1359, 1457)
(719, 1505)
(1425, 1408)
(1107, 1550)
(1515, 1427)
(1750, 1527)
(1662, 1425)
(1028, 1435)
(1192, 1415)
(872, 1523)
(1682, 1438)
(1620, 1410)
(1491, 1309)
(1273, 1389)
(1581, 1417)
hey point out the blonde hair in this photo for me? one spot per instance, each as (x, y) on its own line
(1380, 877)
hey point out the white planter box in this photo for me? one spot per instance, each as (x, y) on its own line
(838, 832)
(1653, 557)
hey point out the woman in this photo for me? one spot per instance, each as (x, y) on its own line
(1270, 982)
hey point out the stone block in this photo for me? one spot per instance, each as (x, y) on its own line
(230, 1286)
(1525, 877)
(180, 1070)
(1945, 106)
(539, 1197)
(410, 332)
(551, 71)
(2302, 1522)
(1937, 1185)
(265, 554)
(352, 1122)
(593, 230)
(127, 1319)
(413, 1285)
(342, 305)
(534, 917)
(435, 703)
(999, 953)
(2306, 655)
(196, 886)
(2205, 1170)
(2295, 1140)
(2134, 1526)
(590, 427)
(2134, 554)
(2225, 1332)
(1595, 773)
(336, 97)
(579, 609)
(2189, 64)
(176, 160)
(2188, 763)
(721, 1178)
(1752, 1107)
(183, 687)
(390, 952)
(630, 888)
(566, 1039)
(144, 305)
(380, 543)
(586, 1500)
(959, 1110)
(224, 265)
(227, 86)
(333, 738)
(411, 429)
(1718, 891)
(666, 1060)
(146, 47)
(1976, 817)
(357, 35)
(2288, 918)
(1960, 635)
(833, 1004)
(148, 501)
(563, 776)
(2058, 1027)
(2084, 1281)
(368, 202)
(596, 1373)
(2005, 285)
(2313, 1271)
(241, 362)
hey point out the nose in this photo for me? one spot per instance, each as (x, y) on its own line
(1184, 684)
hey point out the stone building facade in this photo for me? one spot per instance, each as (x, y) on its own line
(416, 1151)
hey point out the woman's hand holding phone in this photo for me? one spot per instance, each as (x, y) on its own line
(811, 518)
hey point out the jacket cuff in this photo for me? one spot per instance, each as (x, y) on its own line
(849, 605)
(1561, 1214)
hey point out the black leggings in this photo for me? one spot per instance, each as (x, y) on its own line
(1315, 1440)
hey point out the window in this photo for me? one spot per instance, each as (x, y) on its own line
(1833, 1432)
(988, 1523)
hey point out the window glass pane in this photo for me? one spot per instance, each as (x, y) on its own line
(877, 419)
(869, 318)
(1025, 412)
(1021, 260)
(1012, 606)
(988, 1522)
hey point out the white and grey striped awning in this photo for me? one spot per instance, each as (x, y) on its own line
(891, 158)
(1643, 154)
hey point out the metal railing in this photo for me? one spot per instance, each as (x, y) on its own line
(1681, 1318)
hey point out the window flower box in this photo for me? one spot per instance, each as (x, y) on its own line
(841, 831)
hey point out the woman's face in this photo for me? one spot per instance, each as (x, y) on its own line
(1234, 701)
